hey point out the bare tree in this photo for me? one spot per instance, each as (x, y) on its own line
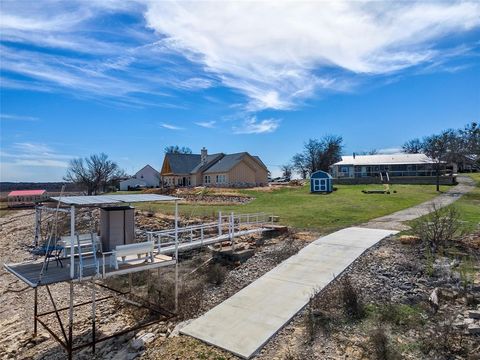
(175, 149)
(300, 165)
(287, 170)
(94, 173)
(442, 148)
(413, 146)
(318, 155)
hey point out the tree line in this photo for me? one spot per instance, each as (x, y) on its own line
(449, 146)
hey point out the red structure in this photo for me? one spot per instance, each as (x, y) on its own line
(19, 198)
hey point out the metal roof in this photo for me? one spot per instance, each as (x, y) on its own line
(112, 199)
(26, 192)
(392, 159)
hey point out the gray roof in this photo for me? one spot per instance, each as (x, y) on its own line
(182, 163)
(111, 199)
(210, 160)
(226, 163)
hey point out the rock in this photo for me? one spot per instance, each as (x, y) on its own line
(176, 331)
(474, 314)
(140, 342)
(473, 329)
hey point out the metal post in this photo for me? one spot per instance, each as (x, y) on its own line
(70, 324)
(37, 225)
(219, 223)
(232, 231)
(176, 256)
(72, 242)
(35, 312)
(93, 316)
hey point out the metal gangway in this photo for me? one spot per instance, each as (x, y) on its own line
(226, 228)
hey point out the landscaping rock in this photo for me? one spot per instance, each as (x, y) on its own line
(473, 329)
(474, 314)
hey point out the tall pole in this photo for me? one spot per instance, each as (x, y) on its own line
(72, 242)
(176, 256)
(93, 315)
(70, 324)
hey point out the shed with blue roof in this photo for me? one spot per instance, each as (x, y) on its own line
(321, 182)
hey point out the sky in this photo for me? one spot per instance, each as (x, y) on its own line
(130, 78)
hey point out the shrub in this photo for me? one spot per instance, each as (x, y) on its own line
(438, 228)
(352, 305)
(381, 347)
(317, 320)
(216, 274)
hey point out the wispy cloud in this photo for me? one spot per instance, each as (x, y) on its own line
(18, 159)
(15, 117)
(170, 126)
(206, 124)
(254, 126)
(291, 51)
(392, 150)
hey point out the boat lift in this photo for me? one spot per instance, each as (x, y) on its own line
(80, 267)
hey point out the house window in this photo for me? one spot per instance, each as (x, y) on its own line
(221, 179)
(207, 179)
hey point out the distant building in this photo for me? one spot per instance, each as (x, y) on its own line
(19, 198)
(358, 166)
(223, 170)
(399, 168)
(147, 177)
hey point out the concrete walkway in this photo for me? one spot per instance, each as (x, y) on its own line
(243, 323)
(396, 220)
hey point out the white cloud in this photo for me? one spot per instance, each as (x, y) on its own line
(279, 53)
(206, 124)
(170, 126)
(392, 150)
(276, 54)
(18, 159)
(254, 126)
(15, 117)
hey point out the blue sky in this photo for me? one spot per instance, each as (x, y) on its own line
(130, 78)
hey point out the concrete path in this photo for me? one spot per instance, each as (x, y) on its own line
(396, 220)
(243, 323)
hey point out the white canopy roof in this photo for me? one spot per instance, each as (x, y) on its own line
(391, 159)
(112, 199)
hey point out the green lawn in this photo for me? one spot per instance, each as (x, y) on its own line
(298, 208)
(469, 205)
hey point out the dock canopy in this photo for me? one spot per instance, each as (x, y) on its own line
(112, 199)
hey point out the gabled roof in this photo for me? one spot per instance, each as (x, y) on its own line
(26, 192)
(147, 166)
(391, 159)
(182, 163)
(211, 159)
(226, 163)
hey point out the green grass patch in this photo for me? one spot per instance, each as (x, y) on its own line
(396, 314)
(469, 206)
(298, 208)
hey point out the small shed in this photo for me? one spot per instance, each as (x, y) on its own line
(321, 182)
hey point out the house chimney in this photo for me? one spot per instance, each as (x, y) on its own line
(354, 155)
(203, 156)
